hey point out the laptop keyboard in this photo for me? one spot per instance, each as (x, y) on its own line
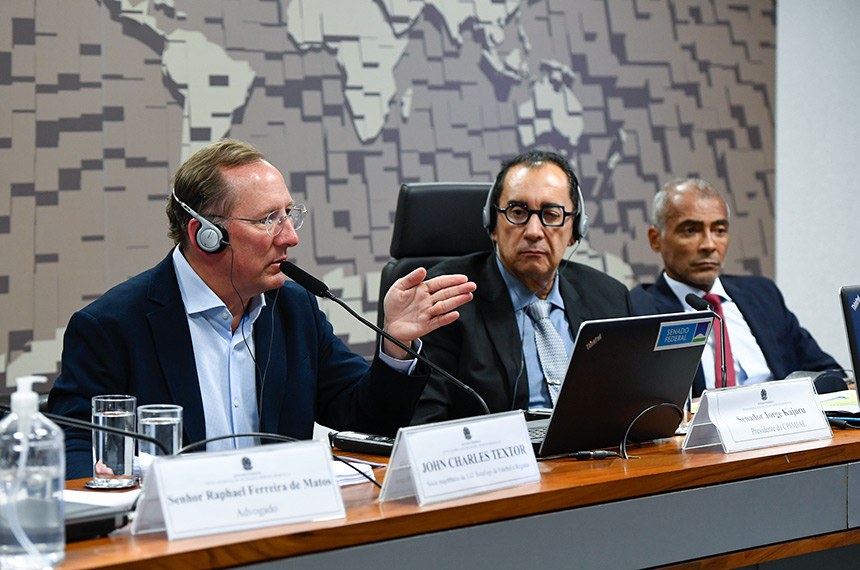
(537, 432)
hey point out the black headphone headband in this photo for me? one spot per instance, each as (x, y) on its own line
(211, 237)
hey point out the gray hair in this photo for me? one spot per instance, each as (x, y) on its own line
(660, 205)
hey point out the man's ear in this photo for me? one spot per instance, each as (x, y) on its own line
(654, 238)
(191, 232)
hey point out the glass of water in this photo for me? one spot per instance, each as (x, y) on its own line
(162, 422)
(113, 453)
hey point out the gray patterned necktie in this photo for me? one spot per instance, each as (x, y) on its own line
(550, 348)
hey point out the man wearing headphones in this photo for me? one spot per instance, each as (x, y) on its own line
(216, 328)
(690, 231)
(534, 211)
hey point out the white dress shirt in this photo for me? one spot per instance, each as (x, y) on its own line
(750, 364)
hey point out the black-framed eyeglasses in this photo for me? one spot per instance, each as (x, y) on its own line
(274, 222)
(519, 214)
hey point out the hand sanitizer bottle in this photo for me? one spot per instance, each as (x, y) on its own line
(32, 474)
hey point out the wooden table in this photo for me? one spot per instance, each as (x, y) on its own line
(663, 508)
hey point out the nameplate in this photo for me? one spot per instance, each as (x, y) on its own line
(757, 416)
(458, 458)
(239, 489)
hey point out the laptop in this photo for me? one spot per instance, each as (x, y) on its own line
(619, 369)
(85, 521)
(850, 297)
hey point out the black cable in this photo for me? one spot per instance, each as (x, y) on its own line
(276, 437)
(584, 455)
(72, 422)
(623, 446)
(843, 424)
(465, 387)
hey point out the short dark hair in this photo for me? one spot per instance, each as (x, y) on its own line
(200, 183)
(533, 158)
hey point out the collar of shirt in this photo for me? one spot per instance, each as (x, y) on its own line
(199, 298)
(521, 297)
(749, 361)
(681, 290)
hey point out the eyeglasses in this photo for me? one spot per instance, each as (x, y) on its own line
(519, 214)
(274, 222)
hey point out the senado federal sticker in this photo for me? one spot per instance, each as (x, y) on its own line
(680, 334)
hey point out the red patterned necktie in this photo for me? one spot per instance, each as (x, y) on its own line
(717, 305)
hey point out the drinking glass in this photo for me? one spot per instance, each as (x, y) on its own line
(162, 422)
(113, 453)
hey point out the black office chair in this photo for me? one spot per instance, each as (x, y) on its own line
(434, 221)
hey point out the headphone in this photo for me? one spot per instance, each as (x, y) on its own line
(580, 219)
(211, 238)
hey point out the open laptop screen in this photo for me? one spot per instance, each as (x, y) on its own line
(850, 297)
(621, 368)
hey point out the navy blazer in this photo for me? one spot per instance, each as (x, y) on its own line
(135, 340)
(483, 348)
(786, 345)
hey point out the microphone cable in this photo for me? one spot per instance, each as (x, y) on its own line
(261, 375)
(73, 422)
(623, 447)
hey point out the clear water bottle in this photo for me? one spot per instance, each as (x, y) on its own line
(32, 473)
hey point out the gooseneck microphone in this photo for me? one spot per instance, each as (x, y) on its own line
(701, 305)
(320, 289)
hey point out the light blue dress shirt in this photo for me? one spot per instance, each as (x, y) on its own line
(521, 297)
(226, 369)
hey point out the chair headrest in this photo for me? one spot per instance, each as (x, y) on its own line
(440, 219)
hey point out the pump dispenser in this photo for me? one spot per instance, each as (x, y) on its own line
(32, 473)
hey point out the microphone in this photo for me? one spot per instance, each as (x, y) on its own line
(73, 422)
(701, 305)
(320, 289)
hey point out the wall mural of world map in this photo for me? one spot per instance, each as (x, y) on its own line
(101, 101)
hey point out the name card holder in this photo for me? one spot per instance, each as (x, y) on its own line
(458, 458)
(239, 489)
(758, 416)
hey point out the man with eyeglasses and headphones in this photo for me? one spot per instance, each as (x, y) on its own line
(502, 345)
(216, 328)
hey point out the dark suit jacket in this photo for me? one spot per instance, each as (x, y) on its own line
(483, 347)
(786, 345)
(135, 340)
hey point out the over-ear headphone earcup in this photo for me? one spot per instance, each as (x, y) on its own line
(211, 238)
(487, 212)
(582, 226)
(581, 222)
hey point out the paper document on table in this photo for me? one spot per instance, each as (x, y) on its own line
(346, 475)
(844, 401)
(110, 499)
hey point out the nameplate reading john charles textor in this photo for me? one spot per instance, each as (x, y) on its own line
(759, 415)
(447, 460)
(226, 491)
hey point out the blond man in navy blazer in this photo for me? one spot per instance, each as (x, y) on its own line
(216, 328)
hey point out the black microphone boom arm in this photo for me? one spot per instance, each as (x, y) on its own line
(701, 305)
(320, 289)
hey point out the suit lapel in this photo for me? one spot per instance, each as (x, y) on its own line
(572, 305)
(271, 359)
(665, 298)
(496, 310)
(666, 302)
(169, 327)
